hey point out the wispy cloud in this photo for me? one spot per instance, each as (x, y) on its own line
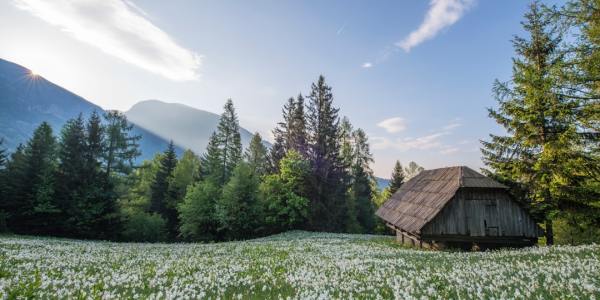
(120, 29)
(366, 65)
(441, 14)
(449, 150)
(341, 29)
(432, 141)
(393, 125)
(452, 125)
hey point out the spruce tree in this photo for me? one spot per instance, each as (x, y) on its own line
(256, 155)
(287, 124)
(96, 182)
(328, 203)
(397, 178)
(41, 164)
(347, 157)
(582, 84)
(35, 208)
(161, 194)
(228, 134)
(276, 153)
(363, 181)
(297, 130)
(538, 151)
(212, 161)
(290, 134)
(16, 180)
(282, 135)
(71, 180)
(584, 69)
(100, 197)
(95, 142)
(346, 145)
(122, 148)
(583, 87)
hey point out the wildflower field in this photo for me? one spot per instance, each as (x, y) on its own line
(291, 265)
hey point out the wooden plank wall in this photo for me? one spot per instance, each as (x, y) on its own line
(482, 213)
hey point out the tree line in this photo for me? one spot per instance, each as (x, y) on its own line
(85, 184)
(550, 110)
(66, 186)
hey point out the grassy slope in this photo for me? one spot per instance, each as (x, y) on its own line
(297, 264)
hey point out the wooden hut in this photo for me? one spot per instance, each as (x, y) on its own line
(457, 207)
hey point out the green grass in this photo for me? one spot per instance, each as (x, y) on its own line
(295, 265)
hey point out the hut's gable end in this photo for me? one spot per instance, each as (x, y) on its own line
(480, 212)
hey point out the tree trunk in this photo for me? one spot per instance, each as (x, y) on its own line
(549, 233)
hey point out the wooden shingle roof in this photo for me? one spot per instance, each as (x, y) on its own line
(421, 198)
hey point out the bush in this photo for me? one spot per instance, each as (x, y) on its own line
(575, 230)
(145, 227)
(237, 209)
(283, 209)
(197, 212)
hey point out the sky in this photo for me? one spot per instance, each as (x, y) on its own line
(415, 75)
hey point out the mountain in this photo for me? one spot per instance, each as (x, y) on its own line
(26, 100)
(188, 127)
(382, 183)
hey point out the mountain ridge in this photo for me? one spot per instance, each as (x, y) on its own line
(27, 100)
(188, 127)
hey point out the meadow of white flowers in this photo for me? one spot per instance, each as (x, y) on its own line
(293, 265)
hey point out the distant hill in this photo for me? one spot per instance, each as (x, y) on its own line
(382, 183)
(188, 127)
(27, 100)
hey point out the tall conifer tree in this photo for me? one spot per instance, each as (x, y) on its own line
(328, 203)
(16, 180)
(256, 155)
(363, 182)
(282, 135)
(121, 147)
(347, 158)
(539, 150)
(276, 153)
(100, 198)
(161, 193)
(36, 205)
(297, 135)
(397, 178)
(71, 178)
(230, 144)
(212, 162)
